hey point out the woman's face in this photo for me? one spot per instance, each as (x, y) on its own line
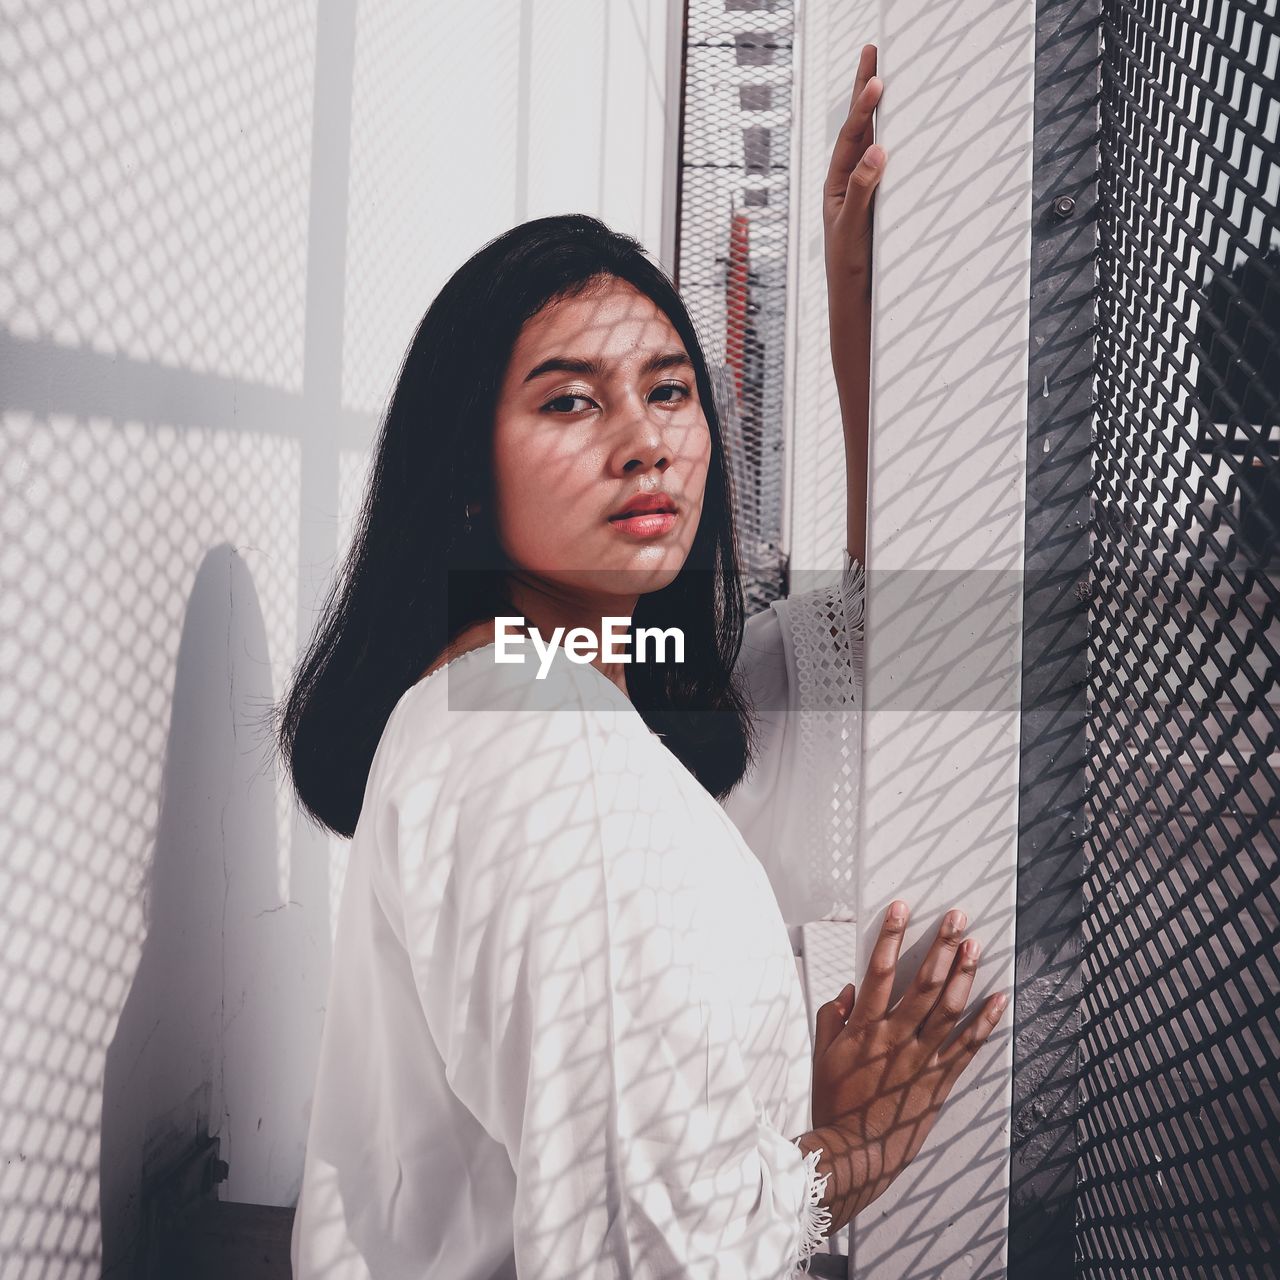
(599, 405)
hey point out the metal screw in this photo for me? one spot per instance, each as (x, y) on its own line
(1064, 207)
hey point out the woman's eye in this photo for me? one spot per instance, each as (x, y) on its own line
(683, 391)
(568, 396)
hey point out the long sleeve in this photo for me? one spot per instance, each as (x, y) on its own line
(801, 661)
(587, 968)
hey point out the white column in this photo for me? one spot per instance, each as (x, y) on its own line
(939, 809)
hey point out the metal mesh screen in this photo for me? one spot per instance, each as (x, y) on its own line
(1178, 1147)
(731, 263)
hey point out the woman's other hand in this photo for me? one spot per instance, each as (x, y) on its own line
(857, 162)
(881, 1074)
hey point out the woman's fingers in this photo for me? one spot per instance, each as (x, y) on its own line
(855, 132)
(867, 62)
(866, 176)
(945, 1015)
(857, 123)
(956, 1056)
(853, 139)
(927, 986)
(831, 1019)
(877, 985)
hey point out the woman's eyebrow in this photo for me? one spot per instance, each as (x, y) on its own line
(574, 364)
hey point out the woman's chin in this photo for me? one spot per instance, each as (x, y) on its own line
(645, 581)
(636, 575)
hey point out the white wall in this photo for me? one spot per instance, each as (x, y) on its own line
(221, 223)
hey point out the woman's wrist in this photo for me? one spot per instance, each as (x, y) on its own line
(848, 1170)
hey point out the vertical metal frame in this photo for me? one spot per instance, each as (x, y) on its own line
(1052, 791)
(678, 17)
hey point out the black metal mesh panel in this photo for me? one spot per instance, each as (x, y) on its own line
(1179, 1171)
(731, 263)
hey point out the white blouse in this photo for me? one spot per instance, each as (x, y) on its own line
(565, 1035)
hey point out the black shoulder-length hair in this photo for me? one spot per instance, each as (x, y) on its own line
(398, 601)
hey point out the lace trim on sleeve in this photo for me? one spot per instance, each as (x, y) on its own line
(853, 595)
(826, 628)
(815, 1221)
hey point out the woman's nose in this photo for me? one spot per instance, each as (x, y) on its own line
(644, 444)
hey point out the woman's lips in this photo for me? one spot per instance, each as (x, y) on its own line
(647, 524)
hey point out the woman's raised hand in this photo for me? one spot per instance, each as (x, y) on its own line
(857, 162)
(881, 1073)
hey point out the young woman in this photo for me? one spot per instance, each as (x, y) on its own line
(565, 1034)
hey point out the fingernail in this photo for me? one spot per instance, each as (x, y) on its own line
(897, 912)
(1001, 1002)
(955, 922)
(874, 156)
(972, 949)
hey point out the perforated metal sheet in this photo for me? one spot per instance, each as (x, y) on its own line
(732, 234)
(1179, 1172)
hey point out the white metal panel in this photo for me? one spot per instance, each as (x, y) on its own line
(947, 479)
(947, 476)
